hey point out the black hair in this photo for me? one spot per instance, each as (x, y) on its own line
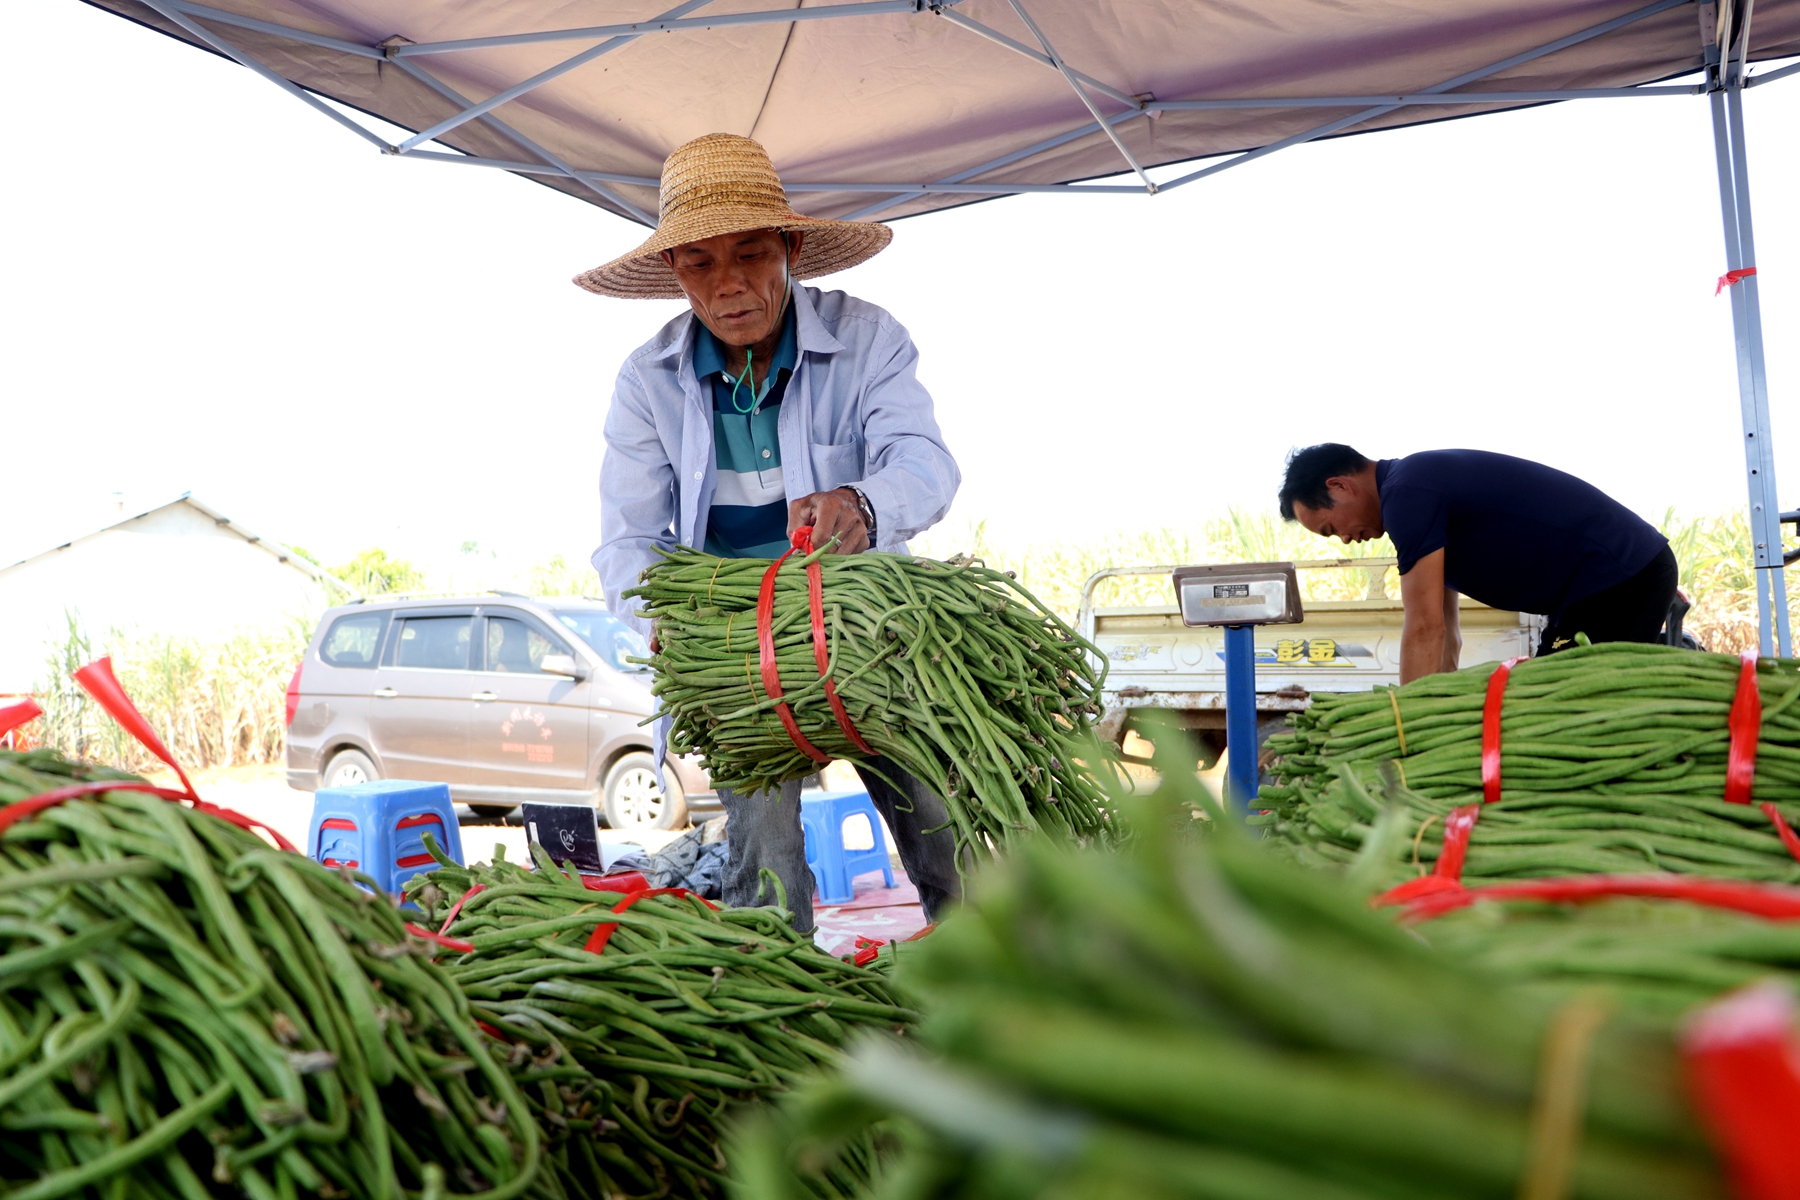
(1307, 471)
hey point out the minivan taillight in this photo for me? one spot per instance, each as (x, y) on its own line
(293, 695)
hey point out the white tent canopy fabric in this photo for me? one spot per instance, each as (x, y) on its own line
(875, 109)
(944, 102)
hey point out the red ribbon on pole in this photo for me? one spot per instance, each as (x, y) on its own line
(15, 715)
(1731, 277)
(765, 643)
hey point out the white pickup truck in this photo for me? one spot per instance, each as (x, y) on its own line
(1342, 645)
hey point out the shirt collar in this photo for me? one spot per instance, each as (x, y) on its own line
(810, 333)
(709, 352)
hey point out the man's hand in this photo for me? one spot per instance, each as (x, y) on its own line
(829, 514)
(1424, 636)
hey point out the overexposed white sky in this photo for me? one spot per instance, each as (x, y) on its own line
(212, 288)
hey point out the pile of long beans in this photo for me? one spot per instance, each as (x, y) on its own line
(640, 1050)
(186, 1012)
(1612, 760)
(953, 671)
(1197, 1017)
(1662, 957)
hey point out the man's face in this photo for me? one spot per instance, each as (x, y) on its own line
(1354, 515)
(737, 283)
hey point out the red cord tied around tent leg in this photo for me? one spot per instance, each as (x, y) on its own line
(1740, 764)
(1447, 876)
(98, 680)
(1731, 277)
(765, 644)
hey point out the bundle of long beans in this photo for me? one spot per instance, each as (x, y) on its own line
(953, 671)
(641, 1048)
(186, 1012)
(1660, 956)
(1612, 759)
(1199, 1018)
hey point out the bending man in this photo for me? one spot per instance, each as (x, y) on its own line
(1508, 532)
(764, 408)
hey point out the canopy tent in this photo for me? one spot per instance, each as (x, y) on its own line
(890, 108)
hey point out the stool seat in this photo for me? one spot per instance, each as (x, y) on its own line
(379, 828)
(822, 817)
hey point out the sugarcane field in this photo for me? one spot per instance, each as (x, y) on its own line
(817, 625)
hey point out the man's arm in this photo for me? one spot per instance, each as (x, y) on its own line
(1452, 631)
(1424, 637)
(637, 497)
(910, 477)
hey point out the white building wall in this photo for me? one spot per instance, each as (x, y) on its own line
(173, 571)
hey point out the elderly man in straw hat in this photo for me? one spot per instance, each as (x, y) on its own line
(768, 407)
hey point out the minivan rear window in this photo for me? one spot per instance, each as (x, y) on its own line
(436, 642)
(353, 641)
(612, 639)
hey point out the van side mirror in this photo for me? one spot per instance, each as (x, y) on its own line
(562, 664)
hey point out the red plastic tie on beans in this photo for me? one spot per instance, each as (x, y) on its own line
(596, 943)
(1746, 727)
(765, 645)
(765, 638)
(1490, 731)
(1743, 1074)
(1740, 765)
(15, 715)
(457, 907)
(1773, 900)
(461, 947)
(100, 683)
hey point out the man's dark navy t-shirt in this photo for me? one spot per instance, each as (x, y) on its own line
(1515, 534)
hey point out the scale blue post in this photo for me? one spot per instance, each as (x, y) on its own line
(1240, 715)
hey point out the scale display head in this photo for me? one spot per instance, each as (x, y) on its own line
(1238, 594)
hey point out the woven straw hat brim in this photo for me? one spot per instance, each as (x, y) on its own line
(721, 184)
(829, 246)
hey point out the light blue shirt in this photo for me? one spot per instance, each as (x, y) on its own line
(854, 412)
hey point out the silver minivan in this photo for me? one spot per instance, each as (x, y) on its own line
(506, 698)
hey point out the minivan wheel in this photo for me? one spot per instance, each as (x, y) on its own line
(630, 798)
(347, 767)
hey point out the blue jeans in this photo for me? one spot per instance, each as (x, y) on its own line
(763, 830)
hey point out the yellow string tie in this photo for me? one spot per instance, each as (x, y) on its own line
(1558, 1110)
(1394, 699)
(713, 580)
(1419, 837)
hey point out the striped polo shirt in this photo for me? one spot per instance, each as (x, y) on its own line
(749, 509)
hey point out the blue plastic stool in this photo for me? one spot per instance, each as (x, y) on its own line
(378, 828)
(822, 817)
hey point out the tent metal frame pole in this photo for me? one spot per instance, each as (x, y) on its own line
(561, 167)
(536, 81)
(1774, 635)
(171, 13)
(1330, 127)
(784, 16)
(1056, 60)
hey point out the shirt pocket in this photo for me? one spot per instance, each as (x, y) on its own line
(836, 465)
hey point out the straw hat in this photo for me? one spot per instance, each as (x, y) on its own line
(718, 184)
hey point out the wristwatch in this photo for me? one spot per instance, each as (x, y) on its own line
(865, 508)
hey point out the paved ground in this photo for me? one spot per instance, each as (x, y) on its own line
(262, 792)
